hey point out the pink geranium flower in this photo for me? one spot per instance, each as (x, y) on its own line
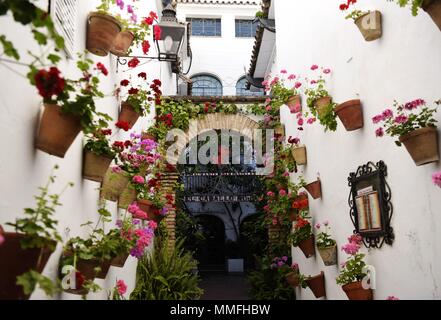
(327, 71)
(379, 132)
(436, 178)
(138, 179)
(121, 287)
(351, 248)
(314, 67)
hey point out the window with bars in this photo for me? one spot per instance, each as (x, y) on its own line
(204, 27)
(64, 15)
(206, 85)
(245, 28)
(241, 89)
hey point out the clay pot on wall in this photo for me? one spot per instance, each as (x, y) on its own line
(350, 114)
(122, 43)
(102, 30)
(148, 207)
(329, 255)
(307, 247)
(113, 185)
(127, 197)
(299, 154)
(317, 285)
(433, 8)
(120, 260)
(57, 131)
(14, 261)
(95, 166)
(422, 145)
(128, 114)
(370, 25)
(294, 104)
(322, 105)
(315, 189)
(355, 291)
(293, 279)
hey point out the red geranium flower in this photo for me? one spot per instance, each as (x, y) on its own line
(79, 280)
(145, 46)
(123, 125)
(143, 75)
(125, 82)
(153, 15)
(133, 62)
(101, 67)
(157, 32)
(49, 83)
(133, 91)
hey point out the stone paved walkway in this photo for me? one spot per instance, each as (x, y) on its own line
(222, 286)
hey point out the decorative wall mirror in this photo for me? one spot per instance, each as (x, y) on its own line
(371, 208)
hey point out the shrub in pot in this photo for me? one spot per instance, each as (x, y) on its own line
(350, 114)
(319, 101)
(24, 253)
(98, 154)
(326, 246)
(302, 235)
(415, 126)
(284, 91)
(353, 271)
(69, 105)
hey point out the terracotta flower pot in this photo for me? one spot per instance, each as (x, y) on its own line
(95, 166)
(128, 114)
(280, 130)
(350, 114)
(292, 214)
(299, 154)
(102, 30)
(433, 8)
(307, 247)
(105, 266)
(127, 197)
(293, 279)
(120, 260)
(370, 25)
(148, 207)
(329, 255)
(322, 105)
(122, 43)
(317, 285)
(295, 104)
(113, 185)
(57, 131)
(14, 261)
(355, 291)
(422, 144)
(315, 189)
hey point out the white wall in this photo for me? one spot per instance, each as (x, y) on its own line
(226, 57)
(404, 64)
(23, 168)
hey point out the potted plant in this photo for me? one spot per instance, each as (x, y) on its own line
(415, 126)
(299, 204)
(315, 188)
(432, 7)
(315, 283)
(326, 246)
(69, 105)
(352, 272)
(298, 151)
(234, 261)
(320, 102)
(137, 99)
(24, 253)
(302, 235)
(98, 154)
(102, 29)
(293, 277)
(114, 183)
(369, 22)
(350, 114)
(283, 93)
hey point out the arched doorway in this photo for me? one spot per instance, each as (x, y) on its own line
(211, 253)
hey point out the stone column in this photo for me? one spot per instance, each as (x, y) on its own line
(168, 181)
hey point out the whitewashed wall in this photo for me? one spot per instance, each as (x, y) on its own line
(23, 168)
(225, 57)
(404, 64)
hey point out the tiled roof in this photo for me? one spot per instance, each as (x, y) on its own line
(233, 2)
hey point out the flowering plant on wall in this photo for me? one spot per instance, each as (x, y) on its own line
(99, 143)
(436, 178)
(323, 237)
(282, 92)
(355, 14)
(137, 94)
(319, 101)
(353, 269)
(302, 228)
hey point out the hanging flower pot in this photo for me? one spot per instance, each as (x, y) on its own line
(14, 261)
(95, 166)
(105, 266)
(57, 131)
(433, 8)
(299, 154)
(280, 130)
(317, 285)
(370, 25)
(152, 212)
(120, 260)
(113, 184)
(322, 105)
(294, 103)
(315, 189)
(307, 247)
(329, 255)
(355, 291)
(293, 279)
(102, 30)
(350, 114)
(128, 114)
(148, 136)
(122, 43)
(422, 144)
(127, 197)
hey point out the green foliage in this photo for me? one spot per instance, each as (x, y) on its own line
(324, 240)
(167, 274)
(353, 270)
(39, 226)
(327, 118)
(355, 14)
(33, 279)
(99, 144)
(415, 5)
(188, 229)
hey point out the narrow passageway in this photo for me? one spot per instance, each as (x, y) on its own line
(224, 286)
